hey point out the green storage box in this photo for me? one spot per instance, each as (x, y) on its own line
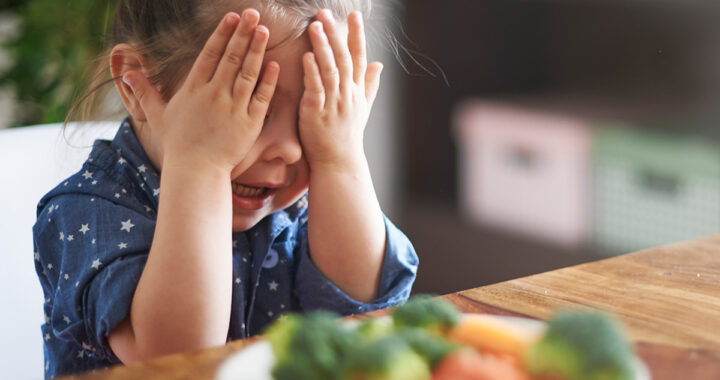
(652, 189)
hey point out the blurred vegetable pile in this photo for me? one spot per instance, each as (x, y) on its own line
(52, 54)
(428, 339)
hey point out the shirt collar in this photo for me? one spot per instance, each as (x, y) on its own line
(130, 152)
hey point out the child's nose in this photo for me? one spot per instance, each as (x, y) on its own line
(284, 145)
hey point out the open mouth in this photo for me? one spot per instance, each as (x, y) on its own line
(245, 191)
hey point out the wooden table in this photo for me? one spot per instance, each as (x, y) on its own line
(668, 298)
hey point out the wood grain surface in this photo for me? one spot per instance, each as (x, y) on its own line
(668, 299)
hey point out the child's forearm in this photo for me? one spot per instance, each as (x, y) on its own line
(346, 228)
(183, 299)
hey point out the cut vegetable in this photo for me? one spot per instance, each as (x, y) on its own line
(489, 333)
(472, 365)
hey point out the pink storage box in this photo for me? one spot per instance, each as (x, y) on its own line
(524, 170)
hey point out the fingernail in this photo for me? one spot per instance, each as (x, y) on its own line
(318, 26)
(231, 18)
(248, 15)
(327, 14)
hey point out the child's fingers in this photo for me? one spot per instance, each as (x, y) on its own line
(324, 57)
(314, 95)
(151, 101)
(339, 48)
(356, 44)
(372, 81)
(257, 109)
(206, 63)
(237, 48)
(245, 80)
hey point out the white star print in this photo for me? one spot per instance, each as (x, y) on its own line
(49, 266)
(88, 347)
(142, 168)
(67, 276)
(270, 313)
(81, 353)
(84, 228)
(234, 243)
(237, 280)
(87, 174)
(93, 241)
(147, 209)
(123, 191)
(244, 259)
(47, 319)
(117, 195)
(94, 182)
(92, 199)
(37, 256)
(70, 238)
(126, 226)
(62, 236)
(273, 285)
(77, 283)
(122, 161)
(79, 184)
(66, 319)
(47, 336)
(282, 306)
(156, 192)
(65, 184)
(96, 264)
(122, 245)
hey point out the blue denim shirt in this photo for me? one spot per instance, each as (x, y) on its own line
(92, 238)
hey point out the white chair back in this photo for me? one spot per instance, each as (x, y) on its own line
(33, 160)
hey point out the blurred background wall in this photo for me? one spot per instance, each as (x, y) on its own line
(569, 131)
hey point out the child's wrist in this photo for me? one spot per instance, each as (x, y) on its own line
(197, 165)
(348, 163)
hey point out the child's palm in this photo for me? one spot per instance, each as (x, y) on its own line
(217, 114)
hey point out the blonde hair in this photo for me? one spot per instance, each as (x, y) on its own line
(171, 33)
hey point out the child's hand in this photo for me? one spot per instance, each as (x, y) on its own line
(215, 117)
(339, 91)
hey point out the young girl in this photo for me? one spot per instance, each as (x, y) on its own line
(236, 190)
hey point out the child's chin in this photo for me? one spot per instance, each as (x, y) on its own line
(244, 223)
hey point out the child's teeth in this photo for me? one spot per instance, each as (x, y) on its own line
(247, 191)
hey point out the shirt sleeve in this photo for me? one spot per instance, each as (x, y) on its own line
(92, 253)
(399, 267)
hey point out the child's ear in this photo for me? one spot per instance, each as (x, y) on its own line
(124, 58)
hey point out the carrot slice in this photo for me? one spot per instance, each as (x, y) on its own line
(472, 365)
(488, 333)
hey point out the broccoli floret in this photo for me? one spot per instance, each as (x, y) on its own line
(434, 314)
(429, 346)
(388, 358)
(580, 345)
(374, 328)
(313, 346)
(280, 332)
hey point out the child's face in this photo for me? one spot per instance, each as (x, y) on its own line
(276, 163)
